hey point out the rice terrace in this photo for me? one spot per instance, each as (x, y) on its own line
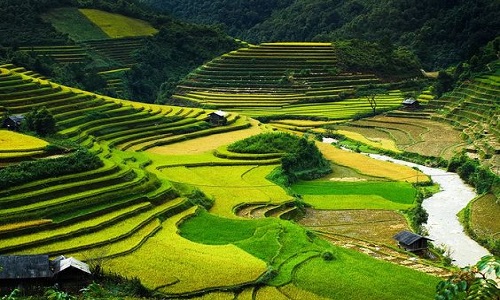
(144, 155)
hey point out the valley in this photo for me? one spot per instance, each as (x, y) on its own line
(199, 169)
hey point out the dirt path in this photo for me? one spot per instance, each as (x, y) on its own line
(443, 225)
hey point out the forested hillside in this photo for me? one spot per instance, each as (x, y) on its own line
(441, 32)
(33, 35)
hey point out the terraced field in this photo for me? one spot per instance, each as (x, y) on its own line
(108, 207)
(474, 109)
(294, 79)
(423, 136)
(134, 205)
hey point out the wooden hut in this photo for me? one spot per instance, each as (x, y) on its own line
(217, 118)
(24, 272)
(410, 104)
(33, 273)
(13, 122)
(70, 273)
(411, 241)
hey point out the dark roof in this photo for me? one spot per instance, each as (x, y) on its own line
(24, 267)
(408, 238)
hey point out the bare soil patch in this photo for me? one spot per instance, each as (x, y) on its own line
(377, 226)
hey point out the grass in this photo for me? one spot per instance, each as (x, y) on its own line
(118, 26)
(176, 265)
(352, 275)
(398, 192)
(71, 21)
(295, 255)
(484, 217)
(11, 141)
(381, 195)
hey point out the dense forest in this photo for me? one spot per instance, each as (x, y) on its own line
(441, 33)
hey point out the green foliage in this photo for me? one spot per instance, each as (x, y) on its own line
(302, 160)
(417, 214)
(476, 282)
(41, 121)
(327, 255)
(398, 192)
(378, 58)
(197, 197)
(79, 161)
(449, 32)
(444, 83)
(170, 55)
(474, 173)
(55, 294)
(14, 295)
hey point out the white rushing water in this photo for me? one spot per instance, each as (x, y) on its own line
(443, 225)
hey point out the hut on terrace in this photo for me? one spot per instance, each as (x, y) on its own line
(217, 118)
(25, 272)
(32, 273)
(410, 104)
(70, 273)
(411, 241)
(13, 122)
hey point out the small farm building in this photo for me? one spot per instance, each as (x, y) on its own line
(410, 103)
(35, 272)
(411, 241)
(13, 122)
(217, 118)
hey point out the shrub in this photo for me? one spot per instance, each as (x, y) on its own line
(472, 172)
(327, 255)
(302, 160)
(41, 121)
(79, 161)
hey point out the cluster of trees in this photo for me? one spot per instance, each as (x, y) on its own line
(79, 161)
(440, 33)
(163, 60)
(21, 23)
(301, 160)
(475, 174)
(236, 16)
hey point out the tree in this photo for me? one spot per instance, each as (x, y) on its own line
(41, 121)
(370, 93)
(475, 282)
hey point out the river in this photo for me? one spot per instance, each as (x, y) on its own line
(442, 225)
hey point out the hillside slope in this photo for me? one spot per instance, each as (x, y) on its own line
(440, 33)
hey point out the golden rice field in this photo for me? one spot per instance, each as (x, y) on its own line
(22, 225)
(379, 143)
(207, 143)
(230, 186)
(368, 166)
(118, 26)
(11, 141)
(175, 265)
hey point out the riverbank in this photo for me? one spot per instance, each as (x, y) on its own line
(443, 225)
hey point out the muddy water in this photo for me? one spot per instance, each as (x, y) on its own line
(443, 225)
